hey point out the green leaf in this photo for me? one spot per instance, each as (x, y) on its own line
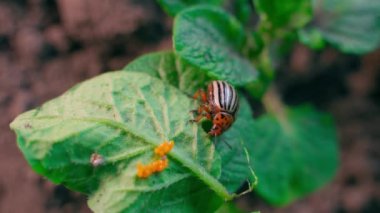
(229, 208)
(255, 44)
(258, 89)
(353, 26)
(279, 14)
(172, 7)
(172, 70)
(122, 116)
(180, 195)
(242, 10)
(236, 168)
(312, 37)
(212, 40)
(294, 154)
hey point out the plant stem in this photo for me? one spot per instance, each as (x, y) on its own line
(265, 64)
(274, 105)
(272, 102)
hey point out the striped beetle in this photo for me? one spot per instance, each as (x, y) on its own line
(219, 105)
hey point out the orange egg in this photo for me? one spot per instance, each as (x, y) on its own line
(159, 165)
(164, 148)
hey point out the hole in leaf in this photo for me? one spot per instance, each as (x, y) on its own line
(206, 125)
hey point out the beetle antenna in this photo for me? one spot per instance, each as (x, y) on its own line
(225, 142)
(190, 96)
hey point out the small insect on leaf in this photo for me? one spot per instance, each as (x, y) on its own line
(96, 160)
(220, 105)
(164, 148)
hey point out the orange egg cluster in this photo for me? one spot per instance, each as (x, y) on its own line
(144, 171)
(164, 148)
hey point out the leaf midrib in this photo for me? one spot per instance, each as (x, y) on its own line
(156, 187)
(176, 154)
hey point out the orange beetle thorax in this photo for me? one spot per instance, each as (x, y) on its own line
(221, 122)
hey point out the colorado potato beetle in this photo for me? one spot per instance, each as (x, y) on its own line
(219, 104)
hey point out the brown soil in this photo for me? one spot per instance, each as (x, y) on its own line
(47, 46)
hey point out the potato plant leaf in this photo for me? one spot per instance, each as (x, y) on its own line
(172, 70)
(353, 26)
(242, 10)
(293, 155)
(278, 14)
(229, 207)
(234, 148)
(212, 40)
(172, 7)
(312, 38)
(122, 116)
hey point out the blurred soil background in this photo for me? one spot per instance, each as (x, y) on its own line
(47, 46)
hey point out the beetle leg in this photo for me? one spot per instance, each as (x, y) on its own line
(208, 115)
(207, 112)
(200, 93)
(194, 111)
(207, 108)
(202, 108)
(197, 119)
(202, 111)
(198, 111)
